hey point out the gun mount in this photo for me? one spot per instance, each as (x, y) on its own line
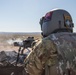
(25, 44)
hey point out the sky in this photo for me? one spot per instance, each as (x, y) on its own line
(24, 15)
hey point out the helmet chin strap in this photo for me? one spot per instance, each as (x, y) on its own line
(43, 35)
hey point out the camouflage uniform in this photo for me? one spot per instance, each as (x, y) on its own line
(56, 54)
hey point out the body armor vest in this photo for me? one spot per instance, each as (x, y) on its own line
(66, 52)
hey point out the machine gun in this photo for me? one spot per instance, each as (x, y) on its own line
(22, 45)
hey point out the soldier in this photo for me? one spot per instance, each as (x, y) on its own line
(55, 54)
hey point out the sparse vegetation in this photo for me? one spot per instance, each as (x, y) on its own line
(4, 37)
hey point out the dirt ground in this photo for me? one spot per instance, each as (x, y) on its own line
(7, 39)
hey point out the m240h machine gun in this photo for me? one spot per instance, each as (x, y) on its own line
(25, 44)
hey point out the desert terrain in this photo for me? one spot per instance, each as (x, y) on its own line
(8, 38)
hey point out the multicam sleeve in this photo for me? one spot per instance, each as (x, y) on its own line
(38, 57)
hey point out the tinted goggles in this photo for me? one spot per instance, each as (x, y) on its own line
(46, 18)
